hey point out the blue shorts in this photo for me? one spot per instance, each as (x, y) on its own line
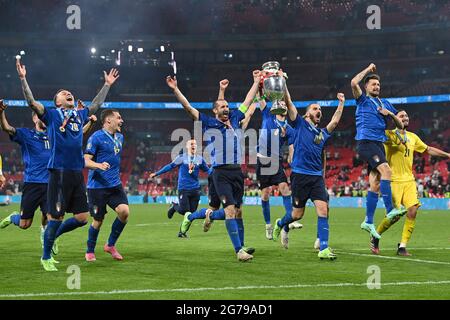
(100, 198)
(228, 183)
(306, 187)
(265, 181)
(188, 200)
(66, 193)
(34, 195)
(214, 201)
(371, 152)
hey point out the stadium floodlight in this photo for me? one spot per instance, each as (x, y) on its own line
(22, 53)
(113, 51)
(130, 48)
(162, 48)
(102, 57)
(140, 49)
(93, 50)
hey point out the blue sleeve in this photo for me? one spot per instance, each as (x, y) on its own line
(290, 133)
(361, 99)
(48, 116)
(238, 114)
(390, 107)
(19, 136)
(91, 146)
(326, 134)
(204, 167)
(299, 121)
(175, 163)
(206, 121)
(84, 115)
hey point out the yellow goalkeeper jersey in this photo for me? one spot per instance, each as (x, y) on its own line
(400, 155)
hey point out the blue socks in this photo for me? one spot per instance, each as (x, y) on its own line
(266, 210)
(200, 214)
(287, 202)
(116, 230)
(15, 219)
(69, 225)
(92, 239)
(371, 206)
(233, 232)
(287, 218)
(218, 215)
(240, 224)
(386, 193)
(49, 237)
(322, 230)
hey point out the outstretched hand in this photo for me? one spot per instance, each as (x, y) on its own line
(224, 84)
(257, 75)
(172, 82)
(341, 97)
(3, 106)
(21, 70)
(111, 77)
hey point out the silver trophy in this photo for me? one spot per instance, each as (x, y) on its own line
(274, 86)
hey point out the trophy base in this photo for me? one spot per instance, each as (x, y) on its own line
(278, 109)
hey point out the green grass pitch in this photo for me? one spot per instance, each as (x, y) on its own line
(158, 265)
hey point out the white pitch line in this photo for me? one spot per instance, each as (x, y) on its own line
(431, 248)
(393, 258)
(294, 286)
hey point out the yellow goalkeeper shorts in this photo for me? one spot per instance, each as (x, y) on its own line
(405, 193)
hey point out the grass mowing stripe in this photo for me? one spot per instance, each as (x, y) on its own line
(293, 286)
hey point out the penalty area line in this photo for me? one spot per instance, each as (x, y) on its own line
(293, 286)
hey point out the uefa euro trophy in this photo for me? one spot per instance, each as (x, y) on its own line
(273, 86)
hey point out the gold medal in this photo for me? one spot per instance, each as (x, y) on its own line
(62, 129)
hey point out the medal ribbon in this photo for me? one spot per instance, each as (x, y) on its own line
(116, 141)
(65, 117)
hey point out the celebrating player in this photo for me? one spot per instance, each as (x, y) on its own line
(400, 148)
(66, 187)
(371, 121)
(103, 151)
(274, 132)
(189, 166)
(228, 180)
(307, 180)
(35, 147)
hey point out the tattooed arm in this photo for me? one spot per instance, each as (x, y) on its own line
(110, 78)
(337, 114)
(28, 95)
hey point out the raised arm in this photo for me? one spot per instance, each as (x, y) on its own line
(166, 168)
(292, 110)
(28, 95)
(290, 154)
(91, 164)
(356, 89)
(337, 114)
(223, 84)
(90, 125)
(3, 122)
(432, 151)
(99, 99)
(172, 83)
(2, 177)
(253, 90)
(398, 122)
(248, 115)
